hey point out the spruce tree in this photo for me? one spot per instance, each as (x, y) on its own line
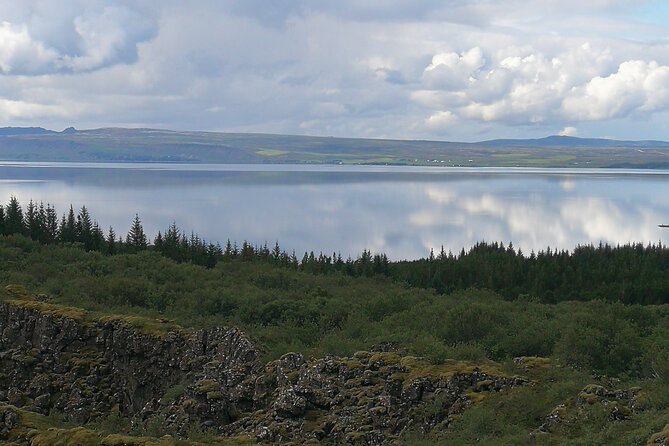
(97, 239)
(84, 228)
(2, 220)
(67, 233)
(14, 217)
(136, 237)
(32, 222)
(111, 241)
(50, 225)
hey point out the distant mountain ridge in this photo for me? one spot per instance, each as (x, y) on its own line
(573, 141)
(155, 145)
(552, 140)
(12, 131)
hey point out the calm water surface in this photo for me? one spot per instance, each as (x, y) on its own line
(402, 211)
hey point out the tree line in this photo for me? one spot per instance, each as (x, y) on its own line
(40, 222)
(630, 273)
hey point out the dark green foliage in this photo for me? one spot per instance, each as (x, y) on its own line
(13, 219)
(286, 309)
(136, 238)
(631, 274)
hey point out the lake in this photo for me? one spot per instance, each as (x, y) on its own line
(402, 211)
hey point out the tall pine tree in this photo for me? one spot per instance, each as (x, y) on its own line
(136, 238)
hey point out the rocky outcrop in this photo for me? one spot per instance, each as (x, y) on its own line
(56, 358)
(660, 438)
(620, 404)
(62, 359)
(370, 398)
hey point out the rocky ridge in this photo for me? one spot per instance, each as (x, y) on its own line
(56, 359)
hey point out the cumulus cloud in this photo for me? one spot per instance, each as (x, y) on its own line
(442, 119)
(99, 36)
(532, 87)
(451, 69)
(637, 86)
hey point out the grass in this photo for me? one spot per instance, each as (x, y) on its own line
(18, 296)
(272, 152)
(40, 430)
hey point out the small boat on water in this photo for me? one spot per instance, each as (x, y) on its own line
(663, 226)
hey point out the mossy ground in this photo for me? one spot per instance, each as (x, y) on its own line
(18, 296)
(45, 431)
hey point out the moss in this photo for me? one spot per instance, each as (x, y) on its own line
(659, 438)
(53, 309)
(475, 397)
(85, 360)
(593, 388)
(207, 386)
(419, 368)
(153, 327)
(362, 355)
(484, 385)
(590, 393)
(352, 363)
(43, 431)
(385, 358)
(78, 436)
(17, 296)
(17, 292)
(533, 362)
(173, 393)
(313, 420)
(215, 395)
(293, 376)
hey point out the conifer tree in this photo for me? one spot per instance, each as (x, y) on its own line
(97, 239)
(228, 254)
(111, 241)
(2, 220)
(84, 228)
(276, 252)
(136, 237)
(14, 217)
(50, 225)
(67, 233)
(158, 242)
(32, 222)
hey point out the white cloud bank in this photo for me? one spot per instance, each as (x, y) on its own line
(531, 87)
(448, 69)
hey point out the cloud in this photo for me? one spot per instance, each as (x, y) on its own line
(531, 87)
(442, 119)
(636, 87)
(451, 69)
(568, 131)
(86, 39)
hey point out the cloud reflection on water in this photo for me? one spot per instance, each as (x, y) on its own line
(403, 215)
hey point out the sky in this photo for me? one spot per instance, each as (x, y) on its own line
(458, 70)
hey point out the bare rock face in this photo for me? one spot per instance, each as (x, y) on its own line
(9, 419)
(63, 359)
(49, 359)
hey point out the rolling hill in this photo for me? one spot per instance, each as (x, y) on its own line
(152, 145)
